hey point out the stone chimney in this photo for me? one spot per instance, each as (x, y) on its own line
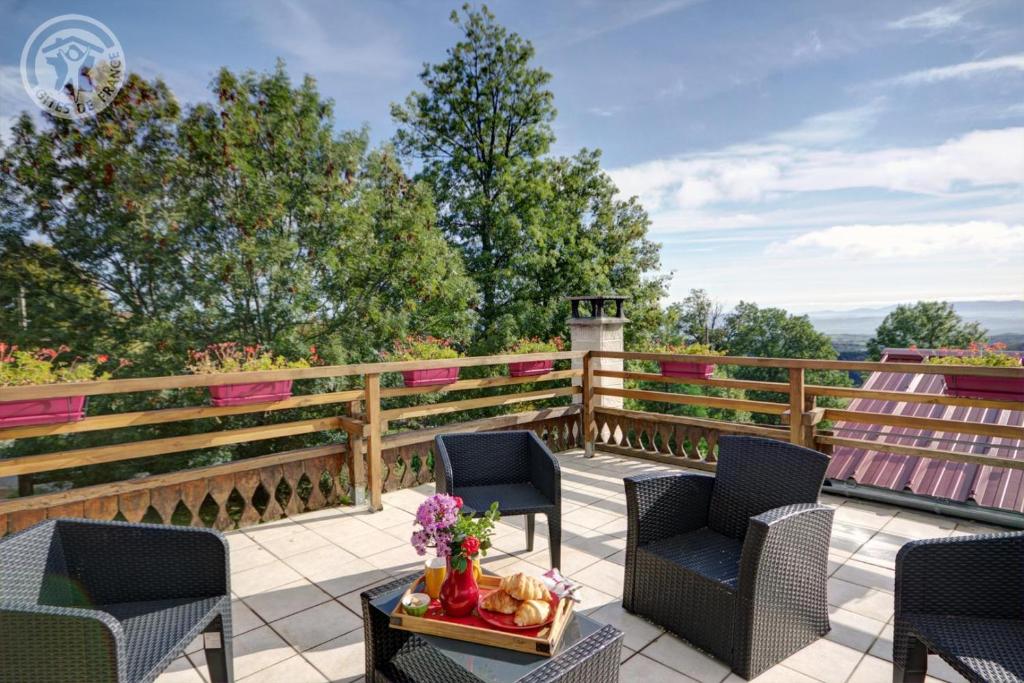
(596, 325)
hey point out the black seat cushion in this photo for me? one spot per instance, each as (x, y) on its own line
(156, 628)
(990, 649)
(512, 498)
(705, 552)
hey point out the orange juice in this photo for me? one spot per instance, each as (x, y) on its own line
(434, 572)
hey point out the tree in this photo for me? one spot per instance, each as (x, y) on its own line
(700, 318)
(926, 324)
(532, 229)
(774, 333)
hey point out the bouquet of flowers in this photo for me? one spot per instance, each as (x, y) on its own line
(456, 535)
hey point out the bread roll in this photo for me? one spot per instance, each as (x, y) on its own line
(500, 601)
(532, 612)
(523, 587)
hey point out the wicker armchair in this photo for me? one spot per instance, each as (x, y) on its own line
(110, 601)
(514, 468)
(736, 563)
(961, 598)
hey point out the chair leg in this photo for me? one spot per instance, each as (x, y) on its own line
(916, 668)
(217, 648)
(555, 538)
(531, 526)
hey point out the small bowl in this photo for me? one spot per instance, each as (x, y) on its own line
(416, 604)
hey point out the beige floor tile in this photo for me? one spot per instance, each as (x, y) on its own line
(776, 674)
(301, 541)
(870, 575)
(866, 515)
(354, 603)
(238, 540)
(938, 670)
(573, 561)
(242, 618)
(881, 549)
(269, 530)
(683, 657)
(352, 575)
(320, 563)
(388, 517)
(293, 670)
(640, 668)
(847, 538)
(872, 670)
(592, 599)
(180, 671)
(250, 556)
(257, 650)
(882, 648)
(316, 625)
(852, 629)
(589, 517)
(637, 633)
(603, 575)
(264, 578)
(400, 560)
(290, 598)
(918, 525)
(825, 661)
(868, 602)
(340, 659)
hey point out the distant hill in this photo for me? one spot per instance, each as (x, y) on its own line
(1000, 318)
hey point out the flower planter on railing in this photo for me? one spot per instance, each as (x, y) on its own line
(42, 411)
(431, 377)
(530, 368)
(671, 368)
(977, 386)
(250, 392)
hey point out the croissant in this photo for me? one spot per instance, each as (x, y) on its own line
(523, 587)
(500, 601)
(532, 612)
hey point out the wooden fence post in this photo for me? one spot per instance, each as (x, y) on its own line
(374, 464)
(587, 416)
(797, 397)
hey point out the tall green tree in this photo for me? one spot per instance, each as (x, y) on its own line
(532, 229)
(926, 324)
(700, 318)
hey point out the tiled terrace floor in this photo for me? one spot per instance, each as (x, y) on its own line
(297, 616)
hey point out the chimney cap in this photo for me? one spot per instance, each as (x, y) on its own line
(597, 302)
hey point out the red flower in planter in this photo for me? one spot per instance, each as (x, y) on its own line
(470, 546)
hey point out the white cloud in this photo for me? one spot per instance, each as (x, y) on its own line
(960, 71)
(13, 100)
(811, 46)
(755, 173)
(910, 241)
(832, 127)
(935, 19)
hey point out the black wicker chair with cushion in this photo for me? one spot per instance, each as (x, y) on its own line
(735, 563)
(102, 602)
(514, 468)
(961, 598)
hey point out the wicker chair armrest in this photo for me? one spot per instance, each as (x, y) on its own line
(662, 505)
(443, 476)
(47, 643)
(785, 546)
(971, 576)
(544, 470)
(123, 562)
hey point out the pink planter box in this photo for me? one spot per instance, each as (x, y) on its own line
(530, 368)
(253, 392)
(42, 411)
(680, 369)
(974, 386)
(428, 378)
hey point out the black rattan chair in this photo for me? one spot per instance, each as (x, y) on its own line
(961, 598)
(514, 468)
(736, 563)
(93, 601)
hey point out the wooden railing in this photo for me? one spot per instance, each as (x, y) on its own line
(364, 447)
(691, 441)
(370, 445)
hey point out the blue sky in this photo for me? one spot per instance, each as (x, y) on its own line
(815, 154)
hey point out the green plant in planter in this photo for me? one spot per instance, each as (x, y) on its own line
(694, 349)
(536, 345)
(231, 357)
(20, 367)
(979, 355)
(420, 348)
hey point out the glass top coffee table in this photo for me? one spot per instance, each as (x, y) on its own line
(589, 651)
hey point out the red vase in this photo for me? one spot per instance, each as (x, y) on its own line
(459, 593)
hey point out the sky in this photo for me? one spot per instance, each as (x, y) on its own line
(817, 154)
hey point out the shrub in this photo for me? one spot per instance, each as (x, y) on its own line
(230, 357)
(536, 345)
(420, 348)
(52, 366)
(988, 355)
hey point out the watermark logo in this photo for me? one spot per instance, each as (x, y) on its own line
(72, 66)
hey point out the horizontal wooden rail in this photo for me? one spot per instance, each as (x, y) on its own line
(929, 423)
(480, 383)
(932, 453)
(417, 436)
(128, 386)
(909, 397)
(152, 417)
(721, 425)
(85, 493)
(776, 387)
(814, 364)
(687, 399)
(472, 403)
(29, 464)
